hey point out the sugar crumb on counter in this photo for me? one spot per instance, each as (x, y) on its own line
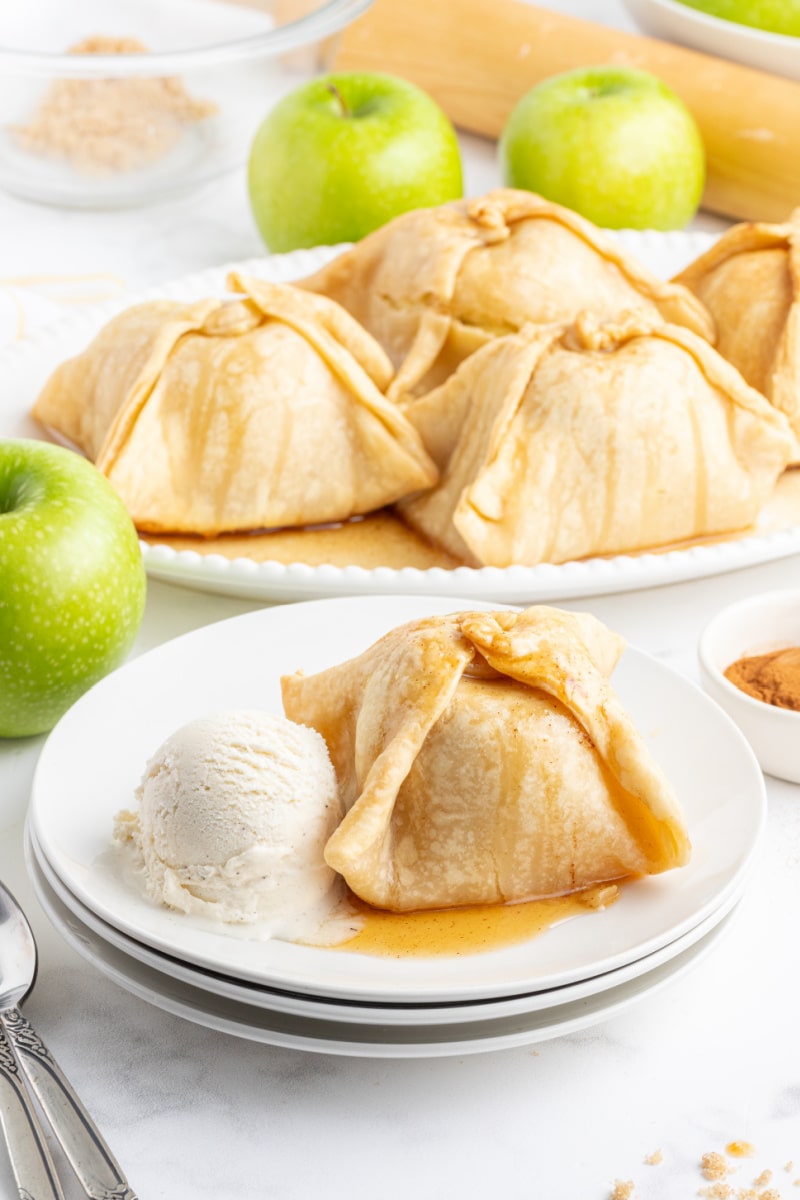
(714, 1166)
(724, 1191)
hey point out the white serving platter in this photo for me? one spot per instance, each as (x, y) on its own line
(26, 365)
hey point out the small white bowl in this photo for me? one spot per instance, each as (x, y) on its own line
(776, 52)
(770, 621)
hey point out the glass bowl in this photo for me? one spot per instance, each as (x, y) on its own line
(111, 105)
(775, 52)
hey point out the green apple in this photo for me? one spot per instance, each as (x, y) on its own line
(776, 16)
(614, 144)
(72, 582)
(344, 154)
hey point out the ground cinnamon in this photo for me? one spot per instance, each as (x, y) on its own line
(773, 678)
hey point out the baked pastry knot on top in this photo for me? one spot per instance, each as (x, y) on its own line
(435, 284)
(483, 757)
(567, 441)
(220, 416)
(750, 282)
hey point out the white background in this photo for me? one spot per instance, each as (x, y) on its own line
(195, 1115)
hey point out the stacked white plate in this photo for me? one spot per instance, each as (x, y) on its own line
(581, 971)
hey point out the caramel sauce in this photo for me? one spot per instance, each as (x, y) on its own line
(470, 930)
(382, 539)
(740, 1149)
(781, 511)
(378, 540)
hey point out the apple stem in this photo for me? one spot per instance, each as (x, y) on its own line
(344, 108)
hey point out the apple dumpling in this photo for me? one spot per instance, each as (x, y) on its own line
(566, 441)
(436, 284)
(260, 412)
(750, 282)
(483, 758)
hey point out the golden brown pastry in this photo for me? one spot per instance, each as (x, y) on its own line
(483, 757)
(436, 284)
(562, 442)
(219, 416)
(750, 282)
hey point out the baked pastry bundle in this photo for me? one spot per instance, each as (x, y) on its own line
(497, 371)
(483, 757)
(566, 441)
(750, 282)
(435, 284)
(237, 415)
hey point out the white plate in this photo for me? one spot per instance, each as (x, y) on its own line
(94, 758)
(26, 365)
(366, 1013)
(338, 1037)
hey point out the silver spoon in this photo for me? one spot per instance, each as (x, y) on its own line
(80, 1139)
(30, 1158)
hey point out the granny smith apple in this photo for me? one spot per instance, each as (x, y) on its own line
(342, 155)
(612, 143)
(775, 16)
(72, 582)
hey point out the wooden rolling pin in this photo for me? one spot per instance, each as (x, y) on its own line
(477, 57)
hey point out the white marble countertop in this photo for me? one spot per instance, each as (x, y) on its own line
(198, 1115)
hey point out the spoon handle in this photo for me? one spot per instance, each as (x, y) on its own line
(30, 1158)
(79, 1137)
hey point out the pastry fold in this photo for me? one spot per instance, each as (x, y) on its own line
(750, 282)
(435, 284)
(260, 412)
(563, 442)
(484, 757)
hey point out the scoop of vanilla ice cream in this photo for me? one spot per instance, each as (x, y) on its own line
(234, 813)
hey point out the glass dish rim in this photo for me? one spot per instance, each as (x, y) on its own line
(323, 22)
